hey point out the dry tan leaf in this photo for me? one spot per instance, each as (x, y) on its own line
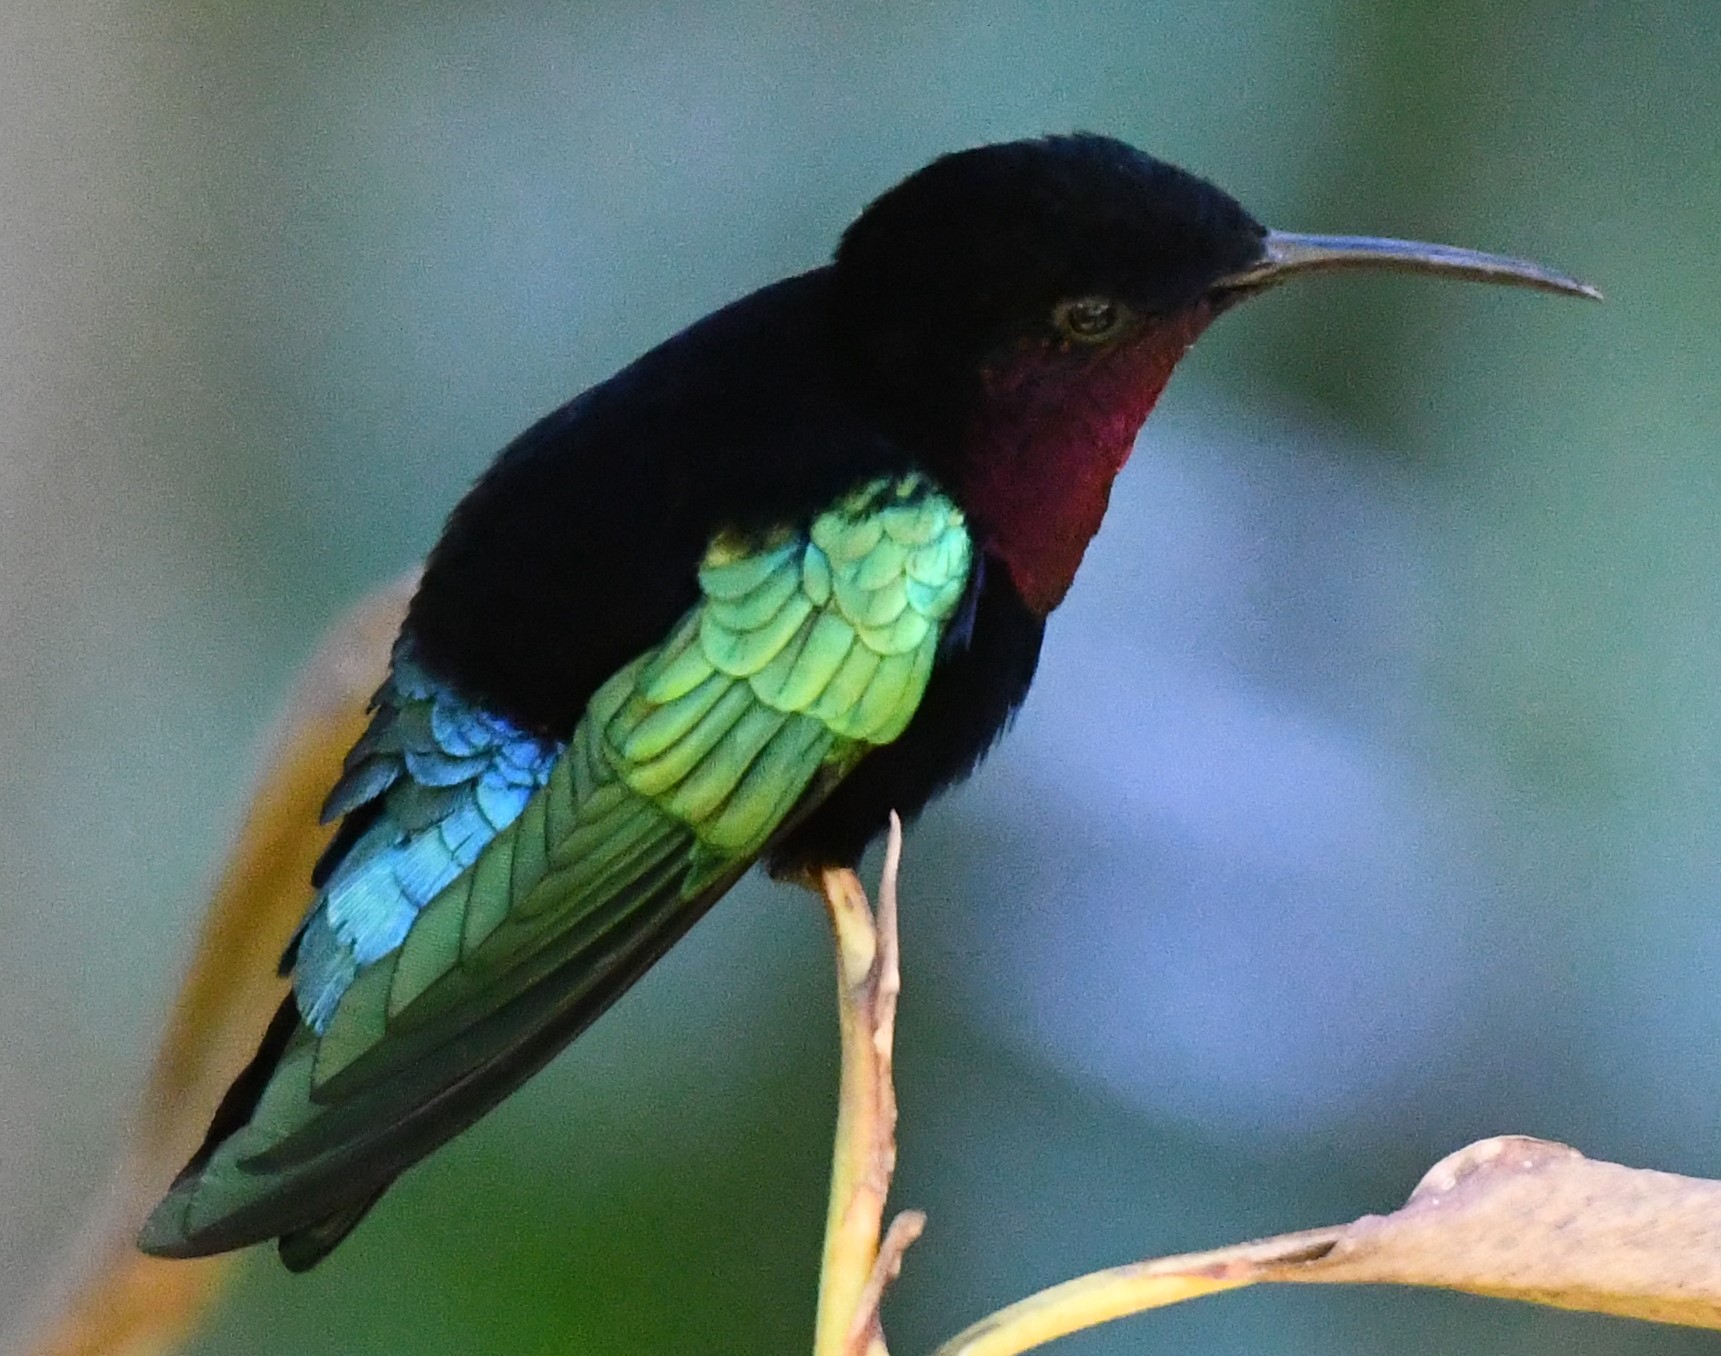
(109, 1299)
(1510, 1217)
(1531, 1220)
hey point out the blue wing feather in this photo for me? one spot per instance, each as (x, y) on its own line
(449, 777)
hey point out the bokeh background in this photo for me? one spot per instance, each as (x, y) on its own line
(1366, 804)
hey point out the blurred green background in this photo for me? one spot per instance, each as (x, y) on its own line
(1366, 804)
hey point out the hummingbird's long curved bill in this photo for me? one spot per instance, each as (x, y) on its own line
(1288, 255)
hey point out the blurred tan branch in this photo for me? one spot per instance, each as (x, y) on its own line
(108, 1299)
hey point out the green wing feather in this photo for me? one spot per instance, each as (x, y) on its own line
(809, 646)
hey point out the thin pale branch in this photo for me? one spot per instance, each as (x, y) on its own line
(856, 1269)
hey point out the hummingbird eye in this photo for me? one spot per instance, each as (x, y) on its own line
(1090, 320)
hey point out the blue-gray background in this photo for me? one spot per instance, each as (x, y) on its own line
(1366, 804)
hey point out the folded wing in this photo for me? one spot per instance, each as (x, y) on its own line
(809, 647)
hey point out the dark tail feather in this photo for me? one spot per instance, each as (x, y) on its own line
(247, 1089)
(303, 1248)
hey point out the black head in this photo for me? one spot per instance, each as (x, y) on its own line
(1012, 312)
(1080, 242)
(1070, 239)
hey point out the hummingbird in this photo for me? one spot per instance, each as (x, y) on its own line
(786, 573)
